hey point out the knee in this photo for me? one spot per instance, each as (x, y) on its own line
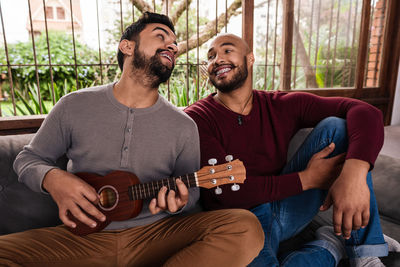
(251, 235)
(334, 123)
(8, 255)
(334, 129)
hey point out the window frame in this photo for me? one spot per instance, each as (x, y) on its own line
(381, 96)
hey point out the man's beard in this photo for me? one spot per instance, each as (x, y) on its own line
(236, 82)
(154, 69)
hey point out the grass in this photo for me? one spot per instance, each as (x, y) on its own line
(8, 110)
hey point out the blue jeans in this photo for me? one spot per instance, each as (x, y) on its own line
(284, 219)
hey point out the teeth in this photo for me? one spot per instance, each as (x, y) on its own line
(224, 70)
(167, 56)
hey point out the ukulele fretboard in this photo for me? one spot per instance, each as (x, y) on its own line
(150, 189)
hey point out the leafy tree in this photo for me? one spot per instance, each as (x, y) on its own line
(62, 59)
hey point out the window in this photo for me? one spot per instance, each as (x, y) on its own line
(60, 13)
(49, 12)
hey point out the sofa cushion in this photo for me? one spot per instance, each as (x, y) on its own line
(386, 179)
(20, 207)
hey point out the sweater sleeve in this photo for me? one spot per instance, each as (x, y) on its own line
(188, 161)
(40, 155)
(364, 122)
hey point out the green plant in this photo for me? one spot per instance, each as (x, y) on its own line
(259, 79)
(336, 73)
(29, 103)
(62, 60)
(199, 87)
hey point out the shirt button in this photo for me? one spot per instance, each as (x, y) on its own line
(131, 111)
(126, 148)
(129, 130)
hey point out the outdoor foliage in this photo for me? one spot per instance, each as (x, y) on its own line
(335, 71)
(61, 52)
(178, 93)
(310, 53)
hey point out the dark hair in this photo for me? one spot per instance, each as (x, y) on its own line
(132, 31)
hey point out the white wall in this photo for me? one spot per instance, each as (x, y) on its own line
(396, 104)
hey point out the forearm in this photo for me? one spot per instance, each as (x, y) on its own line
(50, 178)
(355, 170)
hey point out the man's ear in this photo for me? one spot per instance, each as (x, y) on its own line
(250, 59)
(127, 47)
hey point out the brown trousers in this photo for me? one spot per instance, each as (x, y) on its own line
(217, 238)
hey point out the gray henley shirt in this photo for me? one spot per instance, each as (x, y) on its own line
(99, 135)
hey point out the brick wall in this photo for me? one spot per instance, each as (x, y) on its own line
(375, 44)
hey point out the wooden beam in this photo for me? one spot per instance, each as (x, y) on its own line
(20, 124)
(390, 57)
(248, 25)
(248, 22)
(287, 44)
(367, 93)
(363, 47)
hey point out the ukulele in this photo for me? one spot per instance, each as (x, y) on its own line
(121, 193)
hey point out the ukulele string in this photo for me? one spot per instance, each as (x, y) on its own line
(200, 182)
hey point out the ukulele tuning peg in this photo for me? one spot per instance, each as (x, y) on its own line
(235, 187)
(218, 190)
(212, 161)
(229, 158)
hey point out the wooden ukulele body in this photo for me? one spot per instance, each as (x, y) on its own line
(115, 201)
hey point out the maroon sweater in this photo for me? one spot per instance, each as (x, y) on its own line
(262, 140)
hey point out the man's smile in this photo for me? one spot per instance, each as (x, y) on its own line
(168, 55)
(221, 71)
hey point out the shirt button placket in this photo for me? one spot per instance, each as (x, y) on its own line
(128, 136)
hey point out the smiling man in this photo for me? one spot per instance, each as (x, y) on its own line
(330, 168)
(127, 126)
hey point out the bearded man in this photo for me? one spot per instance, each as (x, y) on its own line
(330, 168)
(127, 126)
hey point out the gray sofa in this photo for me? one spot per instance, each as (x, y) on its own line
(22, 209)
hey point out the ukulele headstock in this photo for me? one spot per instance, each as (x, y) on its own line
(228, 173)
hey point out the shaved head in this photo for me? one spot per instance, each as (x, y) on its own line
(233, 39)
(229, 61)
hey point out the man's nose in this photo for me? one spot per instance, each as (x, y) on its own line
(219, 59)
(173, 48)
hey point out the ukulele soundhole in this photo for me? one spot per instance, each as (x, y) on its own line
(108, 197)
